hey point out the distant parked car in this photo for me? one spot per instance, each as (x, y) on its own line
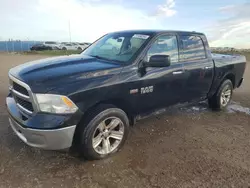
(83, 46)
(40, 47)
(69, 46)
(78, 46)
(53, 45)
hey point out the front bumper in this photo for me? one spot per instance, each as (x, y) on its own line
(43, 130)
(57, 139)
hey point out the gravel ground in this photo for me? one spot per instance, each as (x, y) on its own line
(187, 147)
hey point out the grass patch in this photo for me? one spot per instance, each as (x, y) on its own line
(247, 54)
(53, 52)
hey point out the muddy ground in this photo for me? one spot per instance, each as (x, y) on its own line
(188, 147)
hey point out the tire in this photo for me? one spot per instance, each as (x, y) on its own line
(64, 48)
(216, 102)
(90, 132)
(79, 48)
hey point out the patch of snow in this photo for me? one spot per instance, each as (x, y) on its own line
(238, 108)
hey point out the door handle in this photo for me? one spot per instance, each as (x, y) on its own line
(177, 72)
(208, 67)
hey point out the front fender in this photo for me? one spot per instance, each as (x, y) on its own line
(87, 99)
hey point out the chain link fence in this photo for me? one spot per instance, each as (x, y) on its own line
(17, 46)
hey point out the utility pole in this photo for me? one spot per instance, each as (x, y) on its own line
(69, 32)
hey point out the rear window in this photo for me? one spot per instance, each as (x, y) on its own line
(193, 48)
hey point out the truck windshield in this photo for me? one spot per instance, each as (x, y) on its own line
(118, 47)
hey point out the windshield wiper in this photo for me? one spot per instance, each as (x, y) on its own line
(99, 57)
(107, 59)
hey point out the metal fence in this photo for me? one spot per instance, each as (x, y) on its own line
(17, 46)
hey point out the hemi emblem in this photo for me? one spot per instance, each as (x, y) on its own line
(133, 91)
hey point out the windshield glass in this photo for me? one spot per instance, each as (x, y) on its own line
(120, 47)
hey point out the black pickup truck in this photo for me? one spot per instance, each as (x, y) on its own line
(90, 100)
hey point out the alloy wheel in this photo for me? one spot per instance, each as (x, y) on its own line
(108, 135)
(225, 95)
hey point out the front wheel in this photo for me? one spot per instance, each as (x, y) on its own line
(104, 134)
(222, 97)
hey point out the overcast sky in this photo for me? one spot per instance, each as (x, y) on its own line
(226, 22)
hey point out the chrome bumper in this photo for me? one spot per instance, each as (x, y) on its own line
(57, 139)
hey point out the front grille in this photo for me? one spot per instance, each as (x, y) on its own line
(20, 89)
(25, 104)
(21, 94)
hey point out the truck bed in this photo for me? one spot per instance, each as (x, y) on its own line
(229, 59)
(228, 67)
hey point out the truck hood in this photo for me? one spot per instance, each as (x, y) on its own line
(47, 74)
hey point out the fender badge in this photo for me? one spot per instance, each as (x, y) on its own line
(133, 91)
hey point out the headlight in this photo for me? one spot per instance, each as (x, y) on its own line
(55, 104)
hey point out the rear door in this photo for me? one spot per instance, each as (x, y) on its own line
(198, 67)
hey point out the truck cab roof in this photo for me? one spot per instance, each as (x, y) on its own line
(155, 32)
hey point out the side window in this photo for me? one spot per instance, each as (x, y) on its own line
(165, 45)
(193, 48)
(136, 42)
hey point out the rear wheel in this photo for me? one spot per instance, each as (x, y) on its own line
(222, 97)
(104, 133)
(64, 48)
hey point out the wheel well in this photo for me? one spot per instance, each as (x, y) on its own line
(119, 103)
(231, 77)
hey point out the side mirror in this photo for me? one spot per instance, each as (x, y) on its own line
(158, 61)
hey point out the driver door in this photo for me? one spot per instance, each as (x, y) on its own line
(167, 82)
